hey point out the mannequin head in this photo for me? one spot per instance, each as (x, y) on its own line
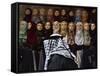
(35, 11)
(63, 25)
(23, 26)
(29, 25)
(79, 26)
(50, 12)
(71, 13)
(39, 26)
(47, 25)
(28, 11)
(84, 16)
(56, 27)
(42, 11)
(86, 26)
(78, 12)
(56, 13)
(93, 26)
(63, 12)
(71, 26)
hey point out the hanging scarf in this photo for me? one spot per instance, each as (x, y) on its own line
(79, 37)
(87, 38)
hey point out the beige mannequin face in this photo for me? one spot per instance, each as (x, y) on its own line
(63, 25)
(35, 12)
(78, 12)
(94, 11)
(27, 11)
(39, 26)
(93, 26)
(50, 12)
(79, 26)
(71, 13)
(86, 26)
(71, 26)
(84, 14)
(56, 27)
(56, 13)
(29, 25)
(42, 11)
(23, 25)
(63, 12)
(47, 25)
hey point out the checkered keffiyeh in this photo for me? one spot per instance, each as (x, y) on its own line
(56, 46)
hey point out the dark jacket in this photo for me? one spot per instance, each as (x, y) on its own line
(25, 60)
(59, 62)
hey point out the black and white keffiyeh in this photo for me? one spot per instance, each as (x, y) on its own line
(56, 46)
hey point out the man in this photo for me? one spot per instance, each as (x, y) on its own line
(58, 54)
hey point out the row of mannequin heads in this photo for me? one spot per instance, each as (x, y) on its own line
(58, 27)
(56, 12)
(67, 30)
